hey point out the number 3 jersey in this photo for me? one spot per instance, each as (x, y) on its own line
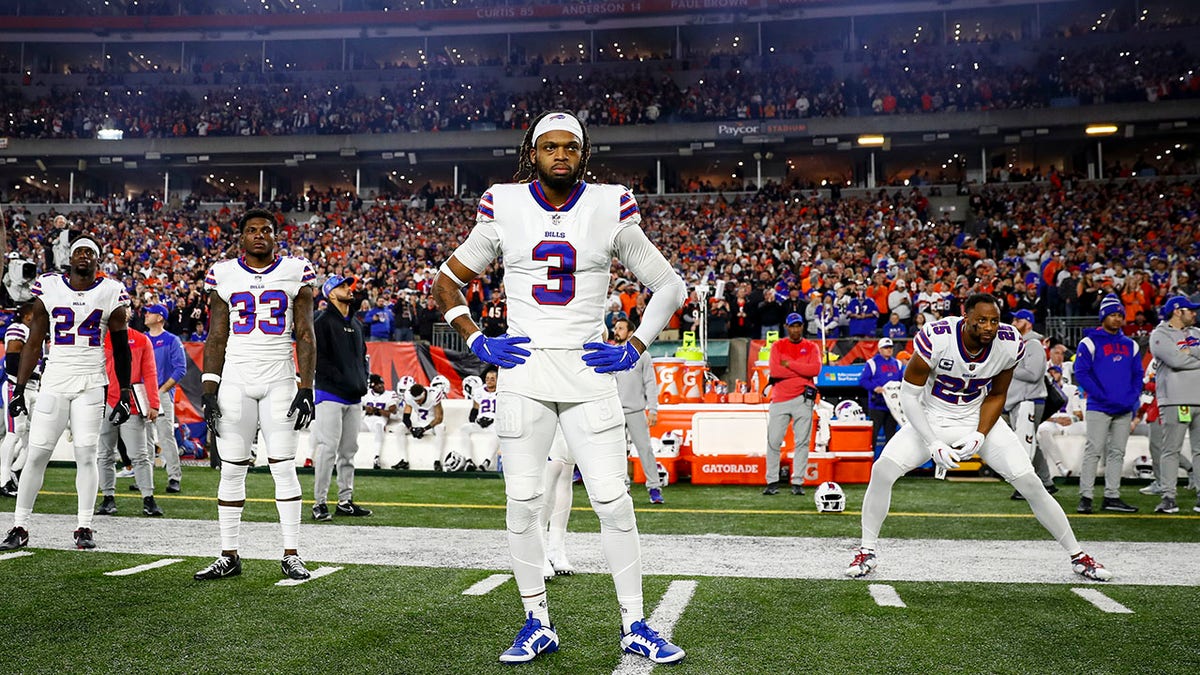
(78, 321)
(958, 382)
(260, 314)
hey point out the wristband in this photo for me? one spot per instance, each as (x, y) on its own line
(211, 377)
(455, 312)
(473, 337)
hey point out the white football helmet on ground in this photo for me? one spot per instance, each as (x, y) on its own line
(849, 410)
(830, 498)
(454, 461)
(664, 476)
(442, 383)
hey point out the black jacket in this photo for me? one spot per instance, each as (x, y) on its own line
(341, 355)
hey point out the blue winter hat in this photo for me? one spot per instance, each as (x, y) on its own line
(334, 281)
(1111, 304)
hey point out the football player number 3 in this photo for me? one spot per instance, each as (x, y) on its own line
(244, 306)
(65, 332)
(560, 274)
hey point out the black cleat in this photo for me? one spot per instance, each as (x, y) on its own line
(173, 486)
(321, 512)
(9, 489)
(376, 465)
(349, 508)
(1085, 505)
(134, 488)
(108, 506)
(223, 566)
(84, 538)
(293, 568)
(771, 489)
(150, 507)
(402, 465)
(17, 538)
(1016, 496)
(798, 490)
(1117, 504)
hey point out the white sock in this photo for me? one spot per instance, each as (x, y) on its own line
(1048, 511)
(87, 482)
(631, 611)
(230, 518)
(538, 605)
(287, 502)
(289, 522)
(878, 500)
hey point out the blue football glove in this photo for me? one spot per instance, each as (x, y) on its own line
(606, 358)
(499, 351)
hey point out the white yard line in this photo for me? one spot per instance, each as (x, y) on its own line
(1038, 561)
(663, 620)
(15, 554)
(885, 596)
(316, 574)
(487, 585)
(142, 568)
(1102, 601)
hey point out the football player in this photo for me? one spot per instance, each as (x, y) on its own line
(16, 441)
(256, 303)
(480, 420)
(556, 513)
(558, 235)
(78, 308)
(422, 416)
(379, 407)
(953, 393)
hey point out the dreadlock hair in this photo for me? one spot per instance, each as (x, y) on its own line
(526, 170)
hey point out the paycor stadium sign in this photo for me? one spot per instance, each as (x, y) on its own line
(748, 129)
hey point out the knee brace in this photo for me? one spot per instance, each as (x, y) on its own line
(232, 486)
(616, 514)
(287, 483)
(522, 515)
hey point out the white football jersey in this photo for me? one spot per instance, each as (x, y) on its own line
(959, 382)
(381, 401)
(487, 403)
(557, 261)
(422, 413)
(16, 331)
(78, 321)
(260, 309)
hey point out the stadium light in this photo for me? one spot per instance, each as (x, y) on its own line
(1100, 129)
(870, 139)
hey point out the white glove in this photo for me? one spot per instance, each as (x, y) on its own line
(943, 455)
(968, 445)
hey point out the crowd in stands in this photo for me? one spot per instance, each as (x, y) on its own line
(1055, 248)
(644, 95)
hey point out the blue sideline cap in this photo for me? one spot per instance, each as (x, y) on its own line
(160, 310)
(1176, 302)
(793, 318)
(1111, 304)
(1023, 314)
(335, 281)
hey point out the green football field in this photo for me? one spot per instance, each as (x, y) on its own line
(66, 615)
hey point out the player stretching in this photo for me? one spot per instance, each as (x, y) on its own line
(558, 236)
(256, 302)
(82, 307)
(953, 393)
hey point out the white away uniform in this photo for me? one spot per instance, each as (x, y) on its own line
(258, 381)
(477, 435)
(374, 423)
(557, 266)
(73, 386)
(16, 438)
(422, 416)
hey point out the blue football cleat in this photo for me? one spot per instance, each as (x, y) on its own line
(534, 638)
(645, 641)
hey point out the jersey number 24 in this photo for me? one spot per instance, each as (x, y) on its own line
(65, 331)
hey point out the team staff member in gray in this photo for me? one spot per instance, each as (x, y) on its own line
(794, 366)
(171, 363)
(1029, 384)
(638, 390)
(1175, 342)
(341, 382)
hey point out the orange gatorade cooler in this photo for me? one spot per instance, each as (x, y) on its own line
(668, 370)
(693, 381)
(760, 377)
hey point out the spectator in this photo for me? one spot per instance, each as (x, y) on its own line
(863, 314)
(900, 303)
(379, 320)
(897, 331)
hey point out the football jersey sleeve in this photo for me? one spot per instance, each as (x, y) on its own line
(39, 289)
(487, 211)
(923, 343)
(630, 214)
(120, 297)
(210, 280)
(308, 276)
(481, 247)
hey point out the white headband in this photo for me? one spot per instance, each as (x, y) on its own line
(85, 243)
(558, 122)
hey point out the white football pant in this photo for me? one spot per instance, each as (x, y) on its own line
(49, 418)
